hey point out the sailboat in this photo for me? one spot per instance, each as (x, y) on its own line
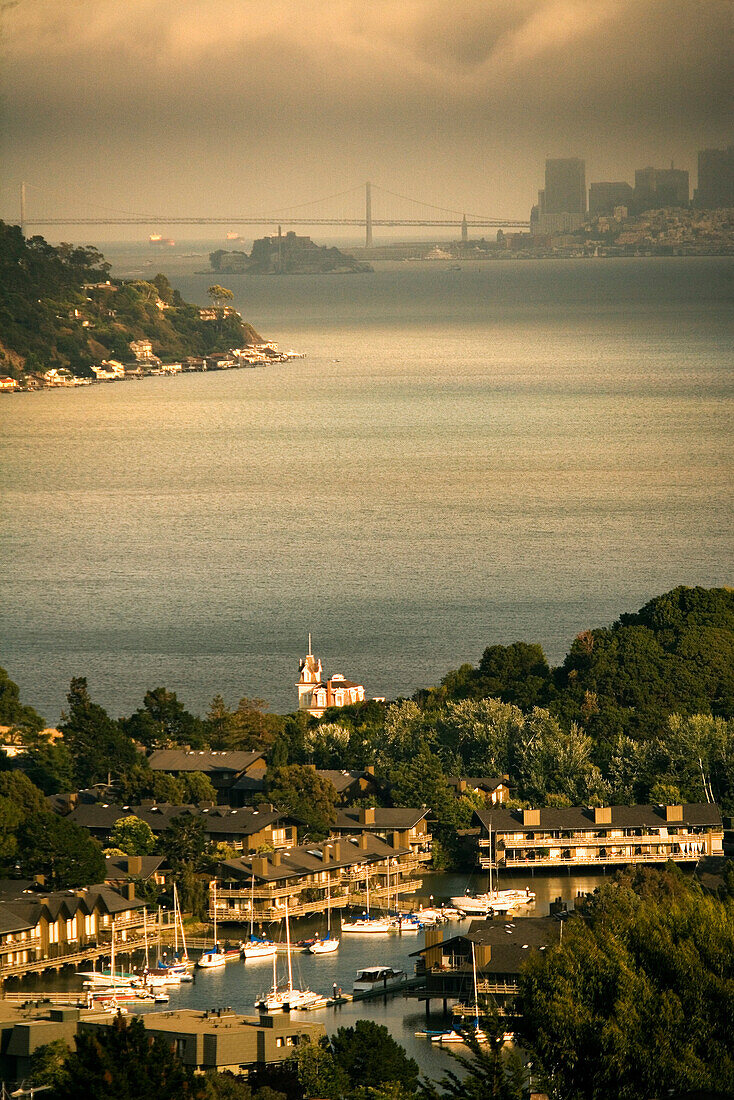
(494, 901)
(459, 1034)
(290, 998)
(257, 948)
(177, 970)
(216, 955)
(327, 944)
(366, 923)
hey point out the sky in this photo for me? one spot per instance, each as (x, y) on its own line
(215, 107)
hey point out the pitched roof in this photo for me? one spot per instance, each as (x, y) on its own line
(218, 820)
(575, 818)
(482, 782)
(342, 780)
(308, 858)
(179, 760)
(386, 817)
(510, 942)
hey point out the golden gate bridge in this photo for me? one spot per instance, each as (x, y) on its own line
(301, 215)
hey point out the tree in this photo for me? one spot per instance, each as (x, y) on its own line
(48, 1065)
(123, 1062)
(248, 727)
(635, 1000)
(60, 850)
(488, 1074)
(319, 1073)
(133, 836)
(14, 713)
(96, 742)
(163, 719)
(484, 732)
(50, 766)
(184, 842)
(551, 760)
(198, 787)
(301, 793)
(219, 295)
(370, 1057)
(22, 792)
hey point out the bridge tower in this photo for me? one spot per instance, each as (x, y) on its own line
(22, 209)
(368, 215)
(464, 230)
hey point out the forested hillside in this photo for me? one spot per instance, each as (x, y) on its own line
(59, 308)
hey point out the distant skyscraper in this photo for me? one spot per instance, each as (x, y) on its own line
(715, 178)
(604, 197)
(657, 187)
(565, 186)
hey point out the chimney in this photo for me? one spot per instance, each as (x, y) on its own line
(370, 769)
(367, 815)
(363, 841)
(40, 880)
(264, 807)
(129, 891)
(674, 813)
(602, 815)
(462, 786)
(531, 817)
(337, 851)
(327, 852)
(275, 859)
(259, 865)
(206, 805)
(134, 865)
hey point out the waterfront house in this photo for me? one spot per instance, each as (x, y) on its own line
(121, 870)
(590, 837)
(500, 948)
(39, 929)
(401, 826)
(8, 385)
(310, 876)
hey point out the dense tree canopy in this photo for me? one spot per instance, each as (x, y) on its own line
(303, 794)
(98, 746)
(63, 852)
(638, 998)
(14, 713)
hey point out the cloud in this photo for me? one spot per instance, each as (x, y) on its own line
(335, 85)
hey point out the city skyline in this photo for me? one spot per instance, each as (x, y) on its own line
(154, 107)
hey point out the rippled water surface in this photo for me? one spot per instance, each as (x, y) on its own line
(512, 450)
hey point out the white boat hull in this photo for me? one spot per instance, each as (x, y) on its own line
(259, 949)
(324, 947)
(374, 927)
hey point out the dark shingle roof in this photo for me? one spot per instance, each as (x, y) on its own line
(178, 760)
(386, 817)
(308, 858)
(581, 817)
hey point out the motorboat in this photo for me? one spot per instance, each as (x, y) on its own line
(373, 978)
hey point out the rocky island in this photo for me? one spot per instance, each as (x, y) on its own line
(286, 254)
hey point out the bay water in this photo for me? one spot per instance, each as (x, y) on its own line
(512, 450)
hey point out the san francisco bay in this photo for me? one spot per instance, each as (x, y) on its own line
(514, 450)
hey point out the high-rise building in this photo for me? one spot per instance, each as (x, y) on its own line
(715, 178)
(657, 187)
(565, 186)
(604, 197)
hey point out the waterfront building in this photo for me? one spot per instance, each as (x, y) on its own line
(400, 826)
(715, 178)
(315, 694)
(445, 966)
(217, 1039)
(593, 837)
(45, 929)
(338, 872)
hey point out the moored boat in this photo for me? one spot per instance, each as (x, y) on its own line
(372, 978)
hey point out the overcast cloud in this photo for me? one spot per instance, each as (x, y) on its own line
(216, 106)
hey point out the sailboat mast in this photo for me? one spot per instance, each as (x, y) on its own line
(178, 915)
(214, 892)
(145, 935)
(288, 947)
(252, 909)
(474, 973)
(328, 907)
(112, 956)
